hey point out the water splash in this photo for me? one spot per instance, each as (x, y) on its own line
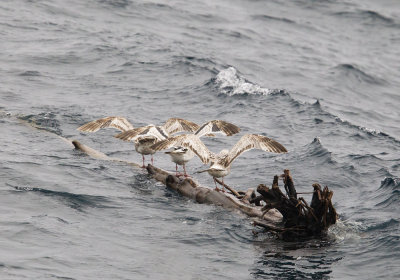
(344, 230)
(230, 82)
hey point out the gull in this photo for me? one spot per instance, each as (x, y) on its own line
(143, 137)
(146, 136)
(180, 154)
(119, 123)
(221, 163)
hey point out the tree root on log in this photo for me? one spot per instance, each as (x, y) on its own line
(300, 220)
(285, 215)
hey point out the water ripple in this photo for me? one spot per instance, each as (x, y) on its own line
(76, 201)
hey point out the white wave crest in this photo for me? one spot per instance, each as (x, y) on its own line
(231, 83)
(362, 128)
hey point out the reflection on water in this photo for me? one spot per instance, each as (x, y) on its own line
(312, 259)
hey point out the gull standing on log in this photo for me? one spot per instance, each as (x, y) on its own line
(221, 163)
(180, 154)
(145, 137)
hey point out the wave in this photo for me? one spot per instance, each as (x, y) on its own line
(53, 119)
(386, 225)
(316, 150)
(30, 74)
(393, 197)
(230, 82)
(271, 18)
(368, 16)
(364, 159)
(194, 62)
(321, 165)
(368, 131)
(75, 201)
(116, 3)
(46, 121)
(350, 71)
(390, 183)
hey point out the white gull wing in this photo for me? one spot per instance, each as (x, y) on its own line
(252, 141)
(150, 131)
(119, 123)
(174, 125)
(217, 126)
(190, 141)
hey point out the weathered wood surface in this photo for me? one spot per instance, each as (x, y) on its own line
(99, 155)
(191, 189)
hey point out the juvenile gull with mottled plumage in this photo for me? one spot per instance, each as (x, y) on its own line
(180, 154)
(143, 137)
(221, 163)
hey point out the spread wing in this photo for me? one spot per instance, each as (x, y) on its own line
(157, 132)
(190, 141)
(253, 141)
(217, 126)
(119, 123)
(174, 125)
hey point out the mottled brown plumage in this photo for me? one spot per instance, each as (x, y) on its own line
(175, 125)
(119, 123)
(220, 126)
(190, 141)
(157, 132)
(252, 141)
(221, 163)
(143, 137)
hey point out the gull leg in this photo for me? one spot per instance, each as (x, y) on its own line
(215, 182)
(184, 170)
(143, 161)
(176, 170)
(152, 160)
(223, 187)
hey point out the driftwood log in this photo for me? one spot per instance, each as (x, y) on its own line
(286, 215)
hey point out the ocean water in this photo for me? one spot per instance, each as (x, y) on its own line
(320, 77)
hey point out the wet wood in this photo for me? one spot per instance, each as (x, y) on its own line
(201, 194)
(300, 219)
(233, 191)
